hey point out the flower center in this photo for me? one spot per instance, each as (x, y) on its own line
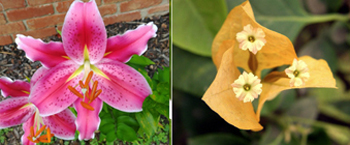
(35, 138)
(251, 39)
(296, 73)
(87, 92)
(246, 87)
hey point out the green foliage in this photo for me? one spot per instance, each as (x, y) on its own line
(192, 73)
(196, 23)
(117, 125)
(140, 60)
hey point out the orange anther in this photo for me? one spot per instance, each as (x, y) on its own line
(40, 130)
(97, 93)
(88, 79)
(87, 106)
(43, 139)
(82, 85)
(94, 87)
(75, 92)
(48, 134)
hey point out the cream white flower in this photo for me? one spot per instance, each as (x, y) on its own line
(298, 73)
(251, 38)
(247, 87)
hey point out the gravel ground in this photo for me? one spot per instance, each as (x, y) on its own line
(15, 65)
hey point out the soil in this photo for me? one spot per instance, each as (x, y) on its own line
(15, 65)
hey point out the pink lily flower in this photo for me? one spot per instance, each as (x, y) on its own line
(17, 110)
(85, 48)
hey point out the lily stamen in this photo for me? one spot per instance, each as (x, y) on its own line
(75, 92)
(91, 95)
(43, 138)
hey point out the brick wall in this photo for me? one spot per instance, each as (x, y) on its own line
(38, 18)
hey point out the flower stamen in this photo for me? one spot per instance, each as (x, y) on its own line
(246, 87)
(46, 138)
(91, 95)
(251, 39)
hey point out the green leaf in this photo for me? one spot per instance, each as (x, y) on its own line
(272, 136)
(127, 120)
(147, 122)
(162, 75)
(111, 136)
(106, 128)
(216, 139)
(140, 60)
(126, 133)
(192, 73)
(196, 23)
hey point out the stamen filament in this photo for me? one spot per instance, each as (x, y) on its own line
(40, 130)
(87, 106)
(75, 92)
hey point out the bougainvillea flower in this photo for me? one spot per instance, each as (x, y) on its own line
(247, 87)
(251, 38)
(277, 51)
(85, 48)
(298, 73)
(17, 110)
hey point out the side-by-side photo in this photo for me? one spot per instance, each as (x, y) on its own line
(85, 72)
(261, 72)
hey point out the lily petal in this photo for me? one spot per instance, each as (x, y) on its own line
(88, 121)
(320, 77)
(221, 98)
(26, 128)
(49, 54)
(276, 43)
(126, 89)
(62, 124)
(14, 112)
(16, 88)
(83, 26)
(50, 94)
(122, 47)
(39, 73)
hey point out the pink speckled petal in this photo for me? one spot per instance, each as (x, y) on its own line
(13, 112)
(88, 121)
(13, 88)
(50, 93)
(122, 47)
(126, 89)
(26, 127)
(82, 26)
(49, 54)
(38, 75)
(62, 124)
